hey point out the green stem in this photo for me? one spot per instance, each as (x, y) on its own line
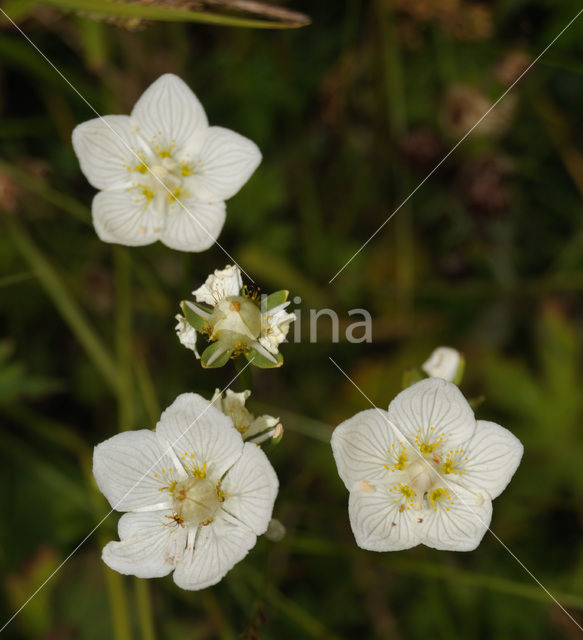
(118, 603)
(125, 400)
(71, 312)
(123, 336)
(142, 595)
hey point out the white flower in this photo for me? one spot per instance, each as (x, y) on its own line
(425, 471)
(163, 172)
(197, 495)
(445, 363)
(275, 326)
(186, 334)
(220, 284)
(235, 322)
(251, 428)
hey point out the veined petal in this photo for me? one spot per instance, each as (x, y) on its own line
(126, 217)
(219, 285)
(433, 413)
(169, 117)
(364, 446)
(107, 150)
(195, 226)
(200, 434)
(493, 455)
(226, 161)
(217, 549)
(457, 522)
(250, 488)
(381, 519)
(132, 470)
(151, 544)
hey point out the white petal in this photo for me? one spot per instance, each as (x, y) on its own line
(251, 485)
(126, 217)
(195, 226)
(151, 545)
(186, 334)
(493, 455)
(217, 549)
(262, 428)
(361, 447)
(443, 363)
(226, 161)
(430, 410)
(462, 527)
(201, 434)
(378, 522)
(219, 285)
(169, 116)
(106, 149)
(132, 470)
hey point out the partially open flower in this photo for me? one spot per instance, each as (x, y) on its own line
(425, 472)
(163, 172)
(196, 494)
(252, 429)
(236, 321)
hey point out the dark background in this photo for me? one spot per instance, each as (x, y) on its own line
(351, 114)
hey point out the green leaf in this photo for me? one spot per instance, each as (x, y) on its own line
(211, 351)
(193, 318)
(166, 13)
(275, 299)
(262, 362)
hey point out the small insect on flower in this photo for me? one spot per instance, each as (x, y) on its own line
(163, 172)
(197, 496)
(435, 470)
(235, 321)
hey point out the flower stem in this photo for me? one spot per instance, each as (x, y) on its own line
(142, 596)
(118, 604)
(125, 400)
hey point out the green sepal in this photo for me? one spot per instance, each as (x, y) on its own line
(411, 376)
(476, 402)
(276, 298)
(193, 319)
(261, 361)
(210, 351)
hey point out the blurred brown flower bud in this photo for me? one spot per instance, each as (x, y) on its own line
(464, 107)
(485, 185)
(9, 194)
(422, 148)
(511, 67)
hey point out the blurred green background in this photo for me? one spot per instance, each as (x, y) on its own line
(351, 113)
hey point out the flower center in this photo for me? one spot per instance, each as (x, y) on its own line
(236, 322)
(169, 173)
(421, 476)
(196, 500)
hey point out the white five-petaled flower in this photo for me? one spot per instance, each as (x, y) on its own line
(163, 172)
(425, 471)
(446, 363)
(197, 495)
(236, 321)
(252, 429)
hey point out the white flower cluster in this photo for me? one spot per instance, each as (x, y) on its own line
(199, 490)
(234, 321)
